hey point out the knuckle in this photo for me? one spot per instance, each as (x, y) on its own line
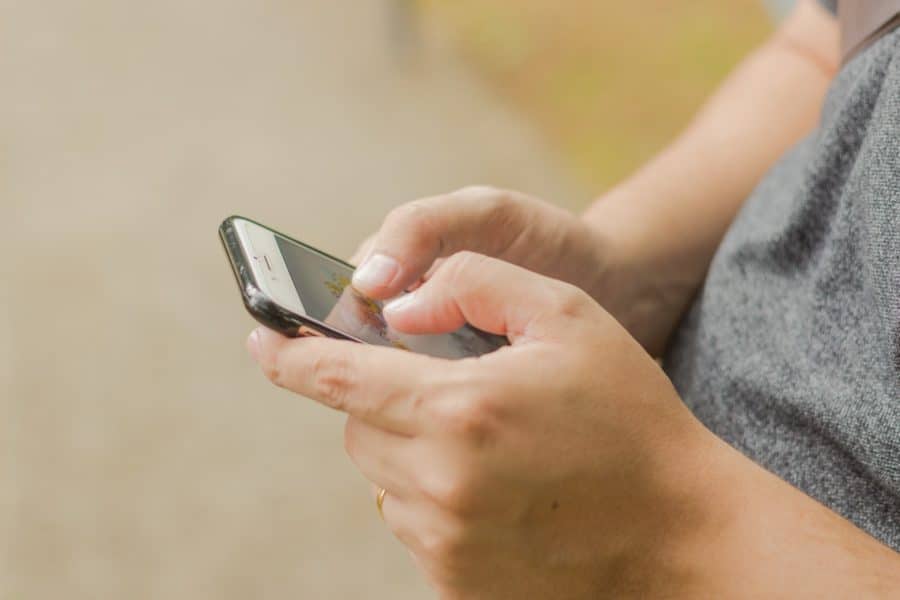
(454, 491)
(416, 218)
(375, 405)
(446, 545)
(469, 420)
(473, 417)
(494, 203)
(479, 191)
(418, 399)
(333, 378)
(464, 261)
(570, 301)
(507, 214)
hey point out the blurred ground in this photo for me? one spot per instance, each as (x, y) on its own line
(608, 83)
(142, 455)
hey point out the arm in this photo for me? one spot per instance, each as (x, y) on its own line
(668, 218)
(642, 249)
(770, 540)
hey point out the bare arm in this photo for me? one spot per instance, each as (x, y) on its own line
(669, 217)
(642, 250)
(756, 536)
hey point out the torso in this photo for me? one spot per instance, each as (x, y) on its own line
(791, 351)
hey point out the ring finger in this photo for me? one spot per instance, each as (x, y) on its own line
(386, 459)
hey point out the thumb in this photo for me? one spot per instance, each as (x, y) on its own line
(493, 296)
(414, 235)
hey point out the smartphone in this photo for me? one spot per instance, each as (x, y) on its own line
(297, 290)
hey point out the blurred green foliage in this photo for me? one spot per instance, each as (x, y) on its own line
(609, 82)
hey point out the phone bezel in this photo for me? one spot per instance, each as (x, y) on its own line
(266, 262)
(255, 290)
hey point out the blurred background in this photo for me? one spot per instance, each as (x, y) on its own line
(142, 454)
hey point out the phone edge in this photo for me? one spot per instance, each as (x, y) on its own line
(257, 303)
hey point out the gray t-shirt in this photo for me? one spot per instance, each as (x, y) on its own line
(791, 351)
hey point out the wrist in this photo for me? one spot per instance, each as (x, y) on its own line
(646, 283)
(734, 530)
(695, 509)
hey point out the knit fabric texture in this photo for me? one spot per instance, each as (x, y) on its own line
(791, 351)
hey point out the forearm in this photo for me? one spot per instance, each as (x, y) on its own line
(672, 214)
(761, 538)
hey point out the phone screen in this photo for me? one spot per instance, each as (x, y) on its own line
(323, 285)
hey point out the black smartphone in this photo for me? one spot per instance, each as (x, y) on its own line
(297, 290)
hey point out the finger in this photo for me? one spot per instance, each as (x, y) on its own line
(384, 458)
(415, 234)
(401, 515)
(431, 270)
(423, 528)
(382, 386)
(418, 283)
(493, 296)
(441, 546)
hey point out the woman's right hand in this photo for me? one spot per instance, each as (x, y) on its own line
(524, 231)
(503, 224)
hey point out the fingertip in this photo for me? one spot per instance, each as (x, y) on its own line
(377, 276)
(400, 305)
(422, 313)
(404, 313)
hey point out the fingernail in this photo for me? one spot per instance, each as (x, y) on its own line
(400, 304)
(377, 271)
(253, 344)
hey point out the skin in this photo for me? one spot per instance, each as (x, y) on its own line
(566, 465)
(644, 247)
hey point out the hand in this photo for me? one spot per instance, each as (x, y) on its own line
(606, 258)
(551, 468)
(503, 224)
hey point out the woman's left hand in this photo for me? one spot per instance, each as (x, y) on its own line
(559, 466)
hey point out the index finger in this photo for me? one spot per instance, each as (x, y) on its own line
(382, 386)
(415, 234)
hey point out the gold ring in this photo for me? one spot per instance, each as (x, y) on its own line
(379, 502)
